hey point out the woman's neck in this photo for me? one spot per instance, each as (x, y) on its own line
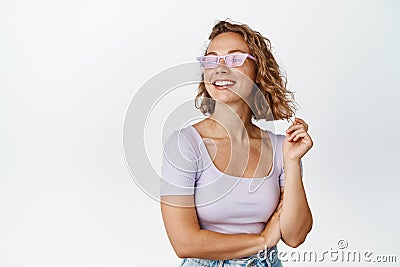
(232, 121)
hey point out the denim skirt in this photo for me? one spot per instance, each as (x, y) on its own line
(269, 259)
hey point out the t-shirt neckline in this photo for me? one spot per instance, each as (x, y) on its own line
(273, 145)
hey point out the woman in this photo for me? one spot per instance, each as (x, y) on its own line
(211, 216)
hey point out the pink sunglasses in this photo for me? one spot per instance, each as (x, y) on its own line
(231, 60)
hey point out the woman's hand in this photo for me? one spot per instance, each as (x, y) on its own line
(272, 230)
(297, 141)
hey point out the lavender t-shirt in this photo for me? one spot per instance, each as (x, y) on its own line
(224, 203)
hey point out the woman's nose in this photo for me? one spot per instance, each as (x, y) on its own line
(221, 67)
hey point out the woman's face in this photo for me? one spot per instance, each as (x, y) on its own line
(225, 84)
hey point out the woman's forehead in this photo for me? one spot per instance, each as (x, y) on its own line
(228, 41)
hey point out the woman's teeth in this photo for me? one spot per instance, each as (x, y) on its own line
(223, 83)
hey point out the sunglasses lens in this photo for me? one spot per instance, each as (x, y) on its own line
(208, 62)
(235, 60)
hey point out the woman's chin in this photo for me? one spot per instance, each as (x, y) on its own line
(228, 100)
(228, 97)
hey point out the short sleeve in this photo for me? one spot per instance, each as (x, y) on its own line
(282, 176)
(179, 166)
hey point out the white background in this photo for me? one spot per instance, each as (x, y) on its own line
(68, 70)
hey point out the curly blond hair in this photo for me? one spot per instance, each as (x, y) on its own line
(269, 78)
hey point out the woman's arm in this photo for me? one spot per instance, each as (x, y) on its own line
(189, 241)
(272, 231)
(296, 219)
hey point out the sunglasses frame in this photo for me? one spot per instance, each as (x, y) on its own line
(218, 58)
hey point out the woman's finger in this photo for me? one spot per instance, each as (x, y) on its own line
(295, 127)
(296, 133)
(300, 135)
(297, 119)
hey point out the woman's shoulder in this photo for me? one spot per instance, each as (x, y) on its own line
(183, 139)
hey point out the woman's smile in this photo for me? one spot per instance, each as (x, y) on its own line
(223, 84)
